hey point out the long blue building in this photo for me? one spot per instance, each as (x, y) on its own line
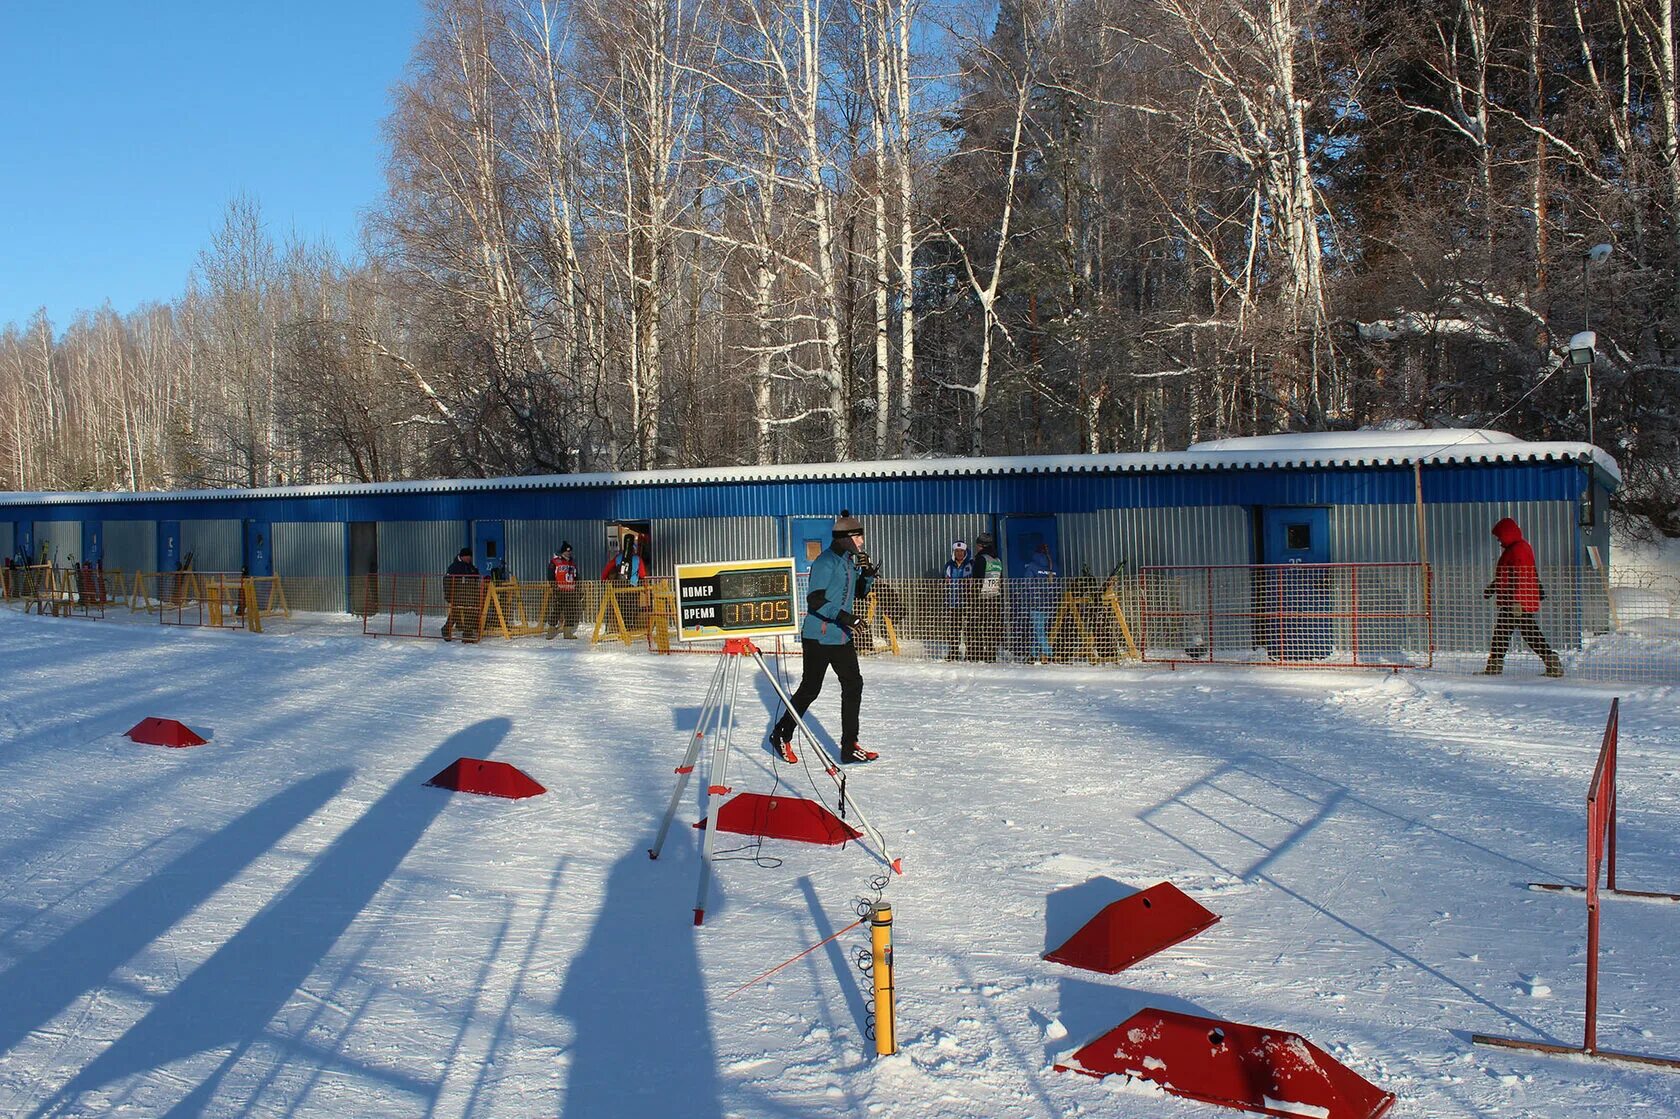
(1332, 497)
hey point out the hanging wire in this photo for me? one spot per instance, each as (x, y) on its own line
(864, 958)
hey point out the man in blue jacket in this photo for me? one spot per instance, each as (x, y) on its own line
(839, 578)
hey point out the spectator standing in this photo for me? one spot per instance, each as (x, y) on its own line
(959, 588)
(985, 617)
(628, 569)
(563, 609)
(1517, 593)
(1041, 602)
(839, 578)
(462, 588)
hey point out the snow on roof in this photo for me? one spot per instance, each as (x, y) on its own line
(1299, 451)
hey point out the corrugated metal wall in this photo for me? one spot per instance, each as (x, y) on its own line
(709, 540)
(420, 547)
(58, 541)
(130, 545)
(1210, 534)
(308, 550)
(310, 557)
(215, 545)
(531, 543)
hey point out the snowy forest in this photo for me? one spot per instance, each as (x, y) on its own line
(628, 234)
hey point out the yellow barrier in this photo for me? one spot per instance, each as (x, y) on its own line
(503, 611)
(610, 593)
(869, 613)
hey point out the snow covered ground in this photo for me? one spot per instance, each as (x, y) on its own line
(288, 922)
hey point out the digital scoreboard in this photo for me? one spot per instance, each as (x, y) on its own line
(746, 598)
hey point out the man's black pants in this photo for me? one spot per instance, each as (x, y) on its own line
(1523, 623)
(818, 659)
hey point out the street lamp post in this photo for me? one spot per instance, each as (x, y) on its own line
(1583, 347)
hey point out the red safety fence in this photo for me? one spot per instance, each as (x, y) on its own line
(1317, 615)
(1601, 849)
(1601, 862)
(419, 605)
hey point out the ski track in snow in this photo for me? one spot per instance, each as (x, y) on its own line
(288, 922)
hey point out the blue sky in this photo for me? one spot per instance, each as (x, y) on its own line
(127, 128)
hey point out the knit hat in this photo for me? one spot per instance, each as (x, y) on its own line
(959, 546)
(565, 546)
(464, 553)
(846, 524)
(985, 539)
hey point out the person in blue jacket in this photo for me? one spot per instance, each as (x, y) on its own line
(839, 578)
(1041, 603)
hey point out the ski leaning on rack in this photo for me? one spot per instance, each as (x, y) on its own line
(717, 720)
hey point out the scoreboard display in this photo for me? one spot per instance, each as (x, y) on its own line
(746, 598)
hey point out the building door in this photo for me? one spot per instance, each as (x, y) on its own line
(259, 554)
(807, 538)
(363, 567)
(93, 543)
(1021, 538)
(23, 541)
(1296, 616)
(489, 549)
(169, 545)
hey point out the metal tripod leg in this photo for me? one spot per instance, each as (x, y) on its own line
(717, 774)
(828, 761)
(711, 707)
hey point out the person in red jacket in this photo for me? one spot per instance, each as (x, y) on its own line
(1516, 591)
(563, 601)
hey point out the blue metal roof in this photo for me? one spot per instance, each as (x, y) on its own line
(1058, 492)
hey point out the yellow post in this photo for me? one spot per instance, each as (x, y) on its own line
(880, 938)
(253, 616)
(214, 598)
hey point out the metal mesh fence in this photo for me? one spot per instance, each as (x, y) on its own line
(1616, 625)
(1291, 615)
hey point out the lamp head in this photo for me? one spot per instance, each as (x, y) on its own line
(1581, 348)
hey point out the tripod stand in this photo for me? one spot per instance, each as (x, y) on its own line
(717, 717)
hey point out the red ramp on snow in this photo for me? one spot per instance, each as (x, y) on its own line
(1134, 929)
(1246, 1067)
(496, 779)
(805, 821)
(164, 732)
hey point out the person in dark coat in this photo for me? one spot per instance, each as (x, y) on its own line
(839, 579)
(1517, 592)
(563, 608)
(462, 588)
(985, 614)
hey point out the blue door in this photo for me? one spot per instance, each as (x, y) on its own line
(93, 543)
(1295, 622)
(807, 537)
(23, 541)
(1021, 538)
(168, 545)
(259, 555)
(489, 549)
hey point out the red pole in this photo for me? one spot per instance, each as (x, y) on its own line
(1209, 584)
(1610, 798)
(1590, 1043)
(1356, 614)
